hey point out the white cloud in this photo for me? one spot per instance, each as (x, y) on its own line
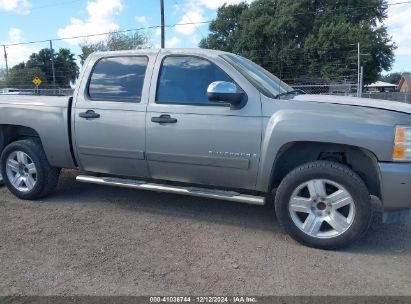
(173, 42)
(144, 20)
(188, 21)
(193, 12)
(14, 35)
(18, 6)
(141, 19)
(100, 19)
(195, 39)
(399, 26)
(17, 53)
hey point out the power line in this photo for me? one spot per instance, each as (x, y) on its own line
(192, 23)
(188, 17)
(106, 33)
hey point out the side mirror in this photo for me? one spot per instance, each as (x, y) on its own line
(223, 91)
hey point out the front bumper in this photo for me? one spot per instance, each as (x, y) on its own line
(395, 186)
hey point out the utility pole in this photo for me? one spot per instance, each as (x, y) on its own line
(162, 24)
(361, 80)
(52, 66)
(358, 71)
(5, 58)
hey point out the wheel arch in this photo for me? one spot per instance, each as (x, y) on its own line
(361, 160)
(11, 133)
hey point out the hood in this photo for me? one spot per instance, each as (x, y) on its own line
(358, 102)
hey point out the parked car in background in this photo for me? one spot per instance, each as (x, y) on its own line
(13, 91)
(10, 91)
(213, 124)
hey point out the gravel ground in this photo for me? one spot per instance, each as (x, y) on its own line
(95, 240)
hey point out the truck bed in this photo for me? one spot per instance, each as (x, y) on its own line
(28, 100)
(48, 117)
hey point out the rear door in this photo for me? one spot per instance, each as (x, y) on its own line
(109, 115)
(203, 142)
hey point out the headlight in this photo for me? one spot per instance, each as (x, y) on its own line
(402, 144)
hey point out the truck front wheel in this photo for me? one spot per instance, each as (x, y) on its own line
(26, 171)
(323, 204)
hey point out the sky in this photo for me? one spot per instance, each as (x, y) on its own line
(29, 20)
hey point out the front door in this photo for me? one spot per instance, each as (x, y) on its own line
(110, 116)
(190, 139)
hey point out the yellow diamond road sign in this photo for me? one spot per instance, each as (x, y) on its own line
(37, 81)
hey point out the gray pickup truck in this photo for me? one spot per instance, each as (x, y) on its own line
(213, 124)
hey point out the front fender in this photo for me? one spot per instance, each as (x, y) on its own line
(293, 121)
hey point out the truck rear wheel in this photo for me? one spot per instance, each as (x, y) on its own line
(323, 204)
(26, 171)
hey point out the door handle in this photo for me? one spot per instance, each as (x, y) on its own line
(89, 114)
(164, 118)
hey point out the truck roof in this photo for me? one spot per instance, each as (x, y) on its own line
(198, 51)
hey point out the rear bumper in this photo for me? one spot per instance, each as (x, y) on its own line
(395, 186)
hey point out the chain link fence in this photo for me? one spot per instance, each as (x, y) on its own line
(35, 91)
(344, 89)
(56, 67)
(394, 96)
(350, 89)
(57, 64)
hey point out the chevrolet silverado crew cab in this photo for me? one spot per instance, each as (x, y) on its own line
(213, 124)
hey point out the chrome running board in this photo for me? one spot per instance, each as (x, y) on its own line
(199, 192)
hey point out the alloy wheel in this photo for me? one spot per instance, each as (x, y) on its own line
(21, 171)
(322, 208)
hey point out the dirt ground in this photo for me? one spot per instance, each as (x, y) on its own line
(94, 240)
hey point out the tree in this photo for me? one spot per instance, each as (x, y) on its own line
(66, 67)
(20, 76)
(393, 77)
(2, 73)
(114, 42)
(39, 64)
(2, 78)
(305, 37)
(224, 31)
(39, 61)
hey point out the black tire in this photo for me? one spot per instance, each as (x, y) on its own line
(331, 171)
(46, 177)
(1, 180)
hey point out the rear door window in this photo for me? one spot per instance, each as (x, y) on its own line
(118, 79)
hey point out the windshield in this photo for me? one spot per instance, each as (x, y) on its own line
(263, 80)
